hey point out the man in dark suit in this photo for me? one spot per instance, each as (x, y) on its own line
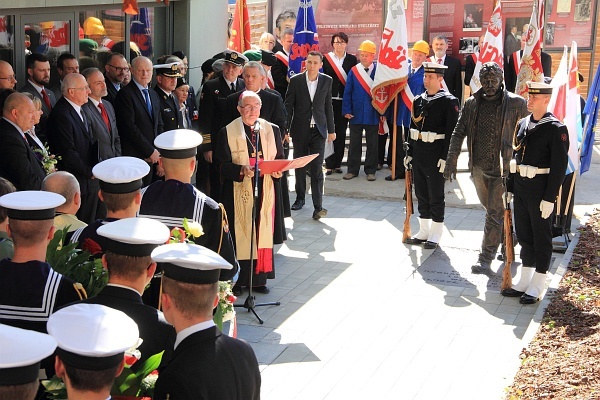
(337, 65)
(138, 117)
(452, 77)
(18, 162)
(166, 81)
(116, 69)
(102, 118)
(280, 69)
(212, 111)
(511, 42)
(206, 364)
(310, 122)
(127, 245)
(38, 77)
(66, 64)
(70, 137)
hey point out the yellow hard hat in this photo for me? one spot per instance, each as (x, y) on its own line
(367, 46)
(93, 26)
(47, 25)
(421, 46)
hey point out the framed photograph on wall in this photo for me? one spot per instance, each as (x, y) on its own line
(473, 17)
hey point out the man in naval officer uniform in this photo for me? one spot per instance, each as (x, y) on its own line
(120, 181)
(166, 82)
(176, 198)
(127, 245)
(541, 145)
(434, 115)
(206, 364)
(30, 290)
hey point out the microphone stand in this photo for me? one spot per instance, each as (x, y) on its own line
(250, 303)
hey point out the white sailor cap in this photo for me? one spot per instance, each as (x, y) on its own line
(171, 70)
(434, 68)
(190, 263)
(20, 354)
(538, 88)
(121, 174)
(92, 336)
(178, 143)
(31, 205)
(135, 237)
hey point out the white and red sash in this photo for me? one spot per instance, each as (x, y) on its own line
(516, 61)
(284, 58)
(363, 78)
(443, 84)
(339, 71)
(270, 81)
(407, 96)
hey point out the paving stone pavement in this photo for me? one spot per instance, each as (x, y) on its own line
(361, 318)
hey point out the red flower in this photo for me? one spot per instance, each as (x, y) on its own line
(91, 246)
(130, 359)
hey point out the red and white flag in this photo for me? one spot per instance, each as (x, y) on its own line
(531, 61)
(392, 65)
(492, 48)
(240, 28)
(566, 92)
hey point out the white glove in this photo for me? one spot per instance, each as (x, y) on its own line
(407, 160)
(506, 198)
(513, 166)
(546, 208)
(442, 164)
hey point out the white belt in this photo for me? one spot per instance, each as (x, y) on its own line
(425, 136)
(529, 171)
(337, 98)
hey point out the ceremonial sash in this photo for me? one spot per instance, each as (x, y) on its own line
(243, 192)
(407, 96)
(339, 71)
(363, 78)
(516, 61)
(270, 81)
(281, 56)
(443, 84)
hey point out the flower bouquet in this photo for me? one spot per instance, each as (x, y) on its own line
(48, 160)
(139, 384)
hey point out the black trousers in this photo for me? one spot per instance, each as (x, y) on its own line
(355, 149)
(314, 143)
(429, 189)
(91, 207)
(339, 144)
(534, 232)
(562, 224)
(381, 142)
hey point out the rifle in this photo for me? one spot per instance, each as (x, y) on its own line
(509, 250)
(406, 233)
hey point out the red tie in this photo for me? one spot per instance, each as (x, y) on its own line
(439, 61)
(104, 115)
(46, 99)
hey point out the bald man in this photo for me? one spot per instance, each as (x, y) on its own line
(138, 116)
(70, 137)
(65, 184)
(18, 162)
(7, 76)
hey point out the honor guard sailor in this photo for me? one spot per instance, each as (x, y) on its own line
(541, 143)
(127, 245)
(176, 198)
(206, 364)
(434, 115)
(30, 290)
(120, 183)
(92, 340)
(20, 356)
(166, 82)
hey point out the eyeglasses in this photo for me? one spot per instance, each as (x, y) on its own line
(80, 88)
(119, 69)
(9, 78)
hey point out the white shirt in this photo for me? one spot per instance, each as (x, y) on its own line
(36, 86)
(77, 108)
(312, 89)
(193, 329)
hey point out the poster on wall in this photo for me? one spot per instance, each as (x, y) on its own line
(473, 17)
